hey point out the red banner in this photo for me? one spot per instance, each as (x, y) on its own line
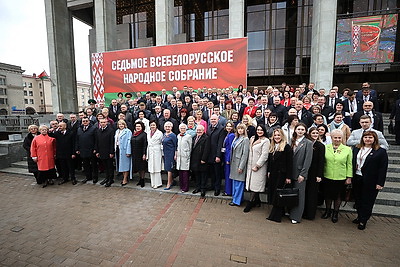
(219, 63)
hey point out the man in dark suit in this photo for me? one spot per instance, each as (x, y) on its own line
(367, 109)
(279, 109)
(157, 115)
(163, 95)
(73, 125)
(91, 117)
(65, 153)
(366, 85)
(216, 138)
(198, 160)
(105, 150)
(327, 111)
(84, 147)
(367, 96)
(350, 104)
(396, 115)
(331, 99)
(304, 115)
(167, 117)
(113, 110)
(239, 106)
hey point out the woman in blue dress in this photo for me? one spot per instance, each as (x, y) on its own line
(230, 135)
(169, 146)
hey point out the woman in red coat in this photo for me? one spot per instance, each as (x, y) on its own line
(43, 151)
(251, 109)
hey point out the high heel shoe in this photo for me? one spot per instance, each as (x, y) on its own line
(361, 226)
(45, 184)
(141, 182)
(335, 216)
(327, 214)
(122, 184)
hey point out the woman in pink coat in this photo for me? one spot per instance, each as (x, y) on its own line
(43, 151)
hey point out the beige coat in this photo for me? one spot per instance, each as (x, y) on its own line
(255, 181)
(183, 152)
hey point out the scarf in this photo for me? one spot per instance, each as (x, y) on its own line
(136, 133)
(335, 125)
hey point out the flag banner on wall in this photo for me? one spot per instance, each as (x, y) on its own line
(219, 64)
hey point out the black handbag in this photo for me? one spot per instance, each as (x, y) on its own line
(287, 197)
(391, 128)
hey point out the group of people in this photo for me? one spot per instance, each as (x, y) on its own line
(258, 141)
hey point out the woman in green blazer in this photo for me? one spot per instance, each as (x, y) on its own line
(338, 172)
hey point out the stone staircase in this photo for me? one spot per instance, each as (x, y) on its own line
(387, 202)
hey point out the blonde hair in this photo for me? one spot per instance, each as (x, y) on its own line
(122, 122)
(190, 118)
(282, 143)
(43, 127)
(241, 126)
(249, 118)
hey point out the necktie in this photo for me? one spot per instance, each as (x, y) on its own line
(365, 98)
(85, 128)
(197, 139)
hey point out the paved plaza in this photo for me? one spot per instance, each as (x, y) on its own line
(86, 225)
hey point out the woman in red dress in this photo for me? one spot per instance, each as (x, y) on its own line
(43, 151)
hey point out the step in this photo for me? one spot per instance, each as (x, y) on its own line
(15, 170)
(393, 211)
(393, 167)
(388, 198)
(20, 164)
(392, 187)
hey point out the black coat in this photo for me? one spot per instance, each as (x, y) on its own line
(215, 141)
(374, 169)
(32, 166)
(85, 141)
(395, 111)
(114, 115)
(175, 128)
(199, 152)
(65, 145)
(280, 168)
(306, 117)
(105, 142)
(318, 162)
(378, 120)
(139, 148)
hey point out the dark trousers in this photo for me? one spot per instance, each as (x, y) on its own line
(67, 169)
(44, 176)
(184, 180)
(201, 180)
(397, 131)
(365, 194)
(108, 168)
(77, 162)
(215, 171)
(90, 168)
(311, 201)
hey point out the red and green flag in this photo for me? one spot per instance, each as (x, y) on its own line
(43, 75)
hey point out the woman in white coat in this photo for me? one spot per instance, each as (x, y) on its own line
(183, 157)
(257, 166)
(154, 154)
(122, 145)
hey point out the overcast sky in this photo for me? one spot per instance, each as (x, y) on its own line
(24, 38)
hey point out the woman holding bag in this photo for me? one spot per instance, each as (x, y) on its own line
(280, 160)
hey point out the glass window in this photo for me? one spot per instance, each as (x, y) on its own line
(40, 85)
(2, 81)
(31, 101)
(30, 93)
(41, 94)
(256, 21)
(25, 93)
(26, 101)
(30, 85)
(256, 40)
(256, 60)
(41, 101)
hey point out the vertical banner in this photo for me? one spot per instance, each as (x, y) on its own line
(219, 64)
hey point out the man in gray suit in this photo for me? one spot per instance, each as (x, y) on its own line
(365, 122)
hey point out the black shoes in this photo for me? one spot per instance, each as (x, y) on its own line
(141, 182)
(335, 216)
(104, 181)
(74, 182)
(217, 192)
(361, 226)
(109, 183)
(196, 191)
(51, 182)
(203, 193)
(95, 180)
(233, 204)
(356, 221)
(62, 182)
(249, 206)
(327, 214)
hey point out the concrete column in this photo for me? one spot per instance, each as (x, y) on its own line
(236, 18)
(323, 43)
(105, 22)
(164, 22)
(60, 41)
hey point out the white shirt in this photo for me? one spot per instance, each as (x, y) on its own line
(361, 156)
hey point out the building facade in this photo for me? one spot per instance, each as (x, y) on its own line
(11, 90)
(292, 41)
(38, 96)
